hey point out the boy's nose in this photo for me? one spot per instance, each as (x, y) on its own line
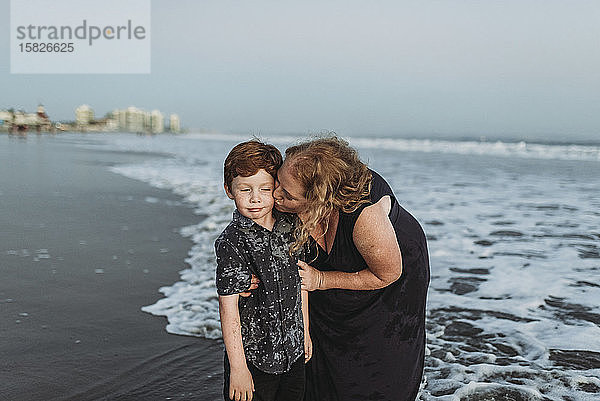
(277, 193)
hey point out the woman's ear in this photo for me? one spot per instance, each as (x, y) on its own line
(227, 191)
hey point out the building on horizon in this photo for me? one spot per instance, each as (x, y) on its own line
(157, 122)
(131, 119)
(174, 123)
(6, 117)
(120, 118)
(135, 120)
(84, 116)
(21, 121)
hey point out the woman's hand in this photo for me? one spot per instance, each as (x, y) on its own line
(241, 385)
(253, 285)
(312, 279)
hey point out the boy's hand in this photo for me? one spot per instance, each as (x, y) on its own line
(308, 347)
(253, 285)
(241, 385)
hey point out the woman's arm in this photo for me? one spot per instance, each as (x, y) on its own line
(375, 239)
(241, 385)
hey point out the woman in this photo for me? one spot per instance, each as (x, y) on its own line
(368, 274)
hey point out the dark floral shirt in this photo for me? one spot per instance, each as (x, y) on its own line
(271, 318)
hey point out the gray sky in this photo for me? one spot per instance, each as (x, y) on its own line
(511, 68)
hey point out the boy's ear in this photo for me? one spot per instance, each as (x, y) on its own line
(227, 191)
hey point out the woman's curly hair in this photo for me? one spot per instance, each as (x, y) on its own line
(333, 178)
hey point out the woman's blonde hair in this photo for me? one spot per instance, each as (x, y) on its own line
(333, 177)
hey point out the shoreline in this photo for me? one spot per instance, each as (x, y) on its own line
(83, 250)
(455, 138)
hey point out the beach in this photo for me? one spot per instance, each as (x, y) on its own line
(107, 264)
(82, 250)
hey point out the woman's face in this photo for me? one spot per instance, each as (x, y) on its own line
(289, 193)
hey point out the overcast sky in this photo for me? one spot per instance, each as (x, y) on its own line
(511, 68)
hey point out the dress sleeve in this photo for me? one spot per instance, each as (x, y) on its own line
(233, 271)
(379, 188)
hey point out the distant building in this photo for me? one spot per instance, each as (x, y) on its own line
(174, 123)
(21, 121)
(41, 111)
(43, 122)
(131, 119)
(120, 117)
(157, 122)
(6, 118)
(135, 120)
(112, 125)
(84, 115)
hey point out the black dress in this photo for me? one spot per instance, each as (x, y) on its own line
(370, 345)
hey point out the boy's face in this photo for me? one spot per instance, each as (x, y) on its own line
(253, 195)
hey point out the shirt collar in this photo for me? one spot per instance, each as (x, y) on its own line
(241, 220)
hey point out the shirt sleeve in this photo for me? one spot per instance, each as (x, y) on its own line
(233, 272)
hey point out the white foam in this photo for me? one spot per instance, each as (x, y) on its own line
(498, 148)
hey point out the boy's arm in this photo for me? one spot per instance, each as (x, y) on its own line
(241, 385)
(308, 349)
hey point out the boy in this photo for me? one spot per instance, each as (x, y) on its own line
(265, 334)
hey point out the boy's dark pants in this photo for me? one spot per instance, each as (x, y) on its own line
(288, 386)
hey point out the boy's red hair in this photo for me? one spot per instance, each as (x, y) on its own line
(246, 158)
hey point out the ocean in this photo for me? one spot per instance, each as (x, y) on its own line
(514, 238)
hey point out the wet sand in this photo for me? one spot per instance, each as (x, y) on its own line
(81, 251)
